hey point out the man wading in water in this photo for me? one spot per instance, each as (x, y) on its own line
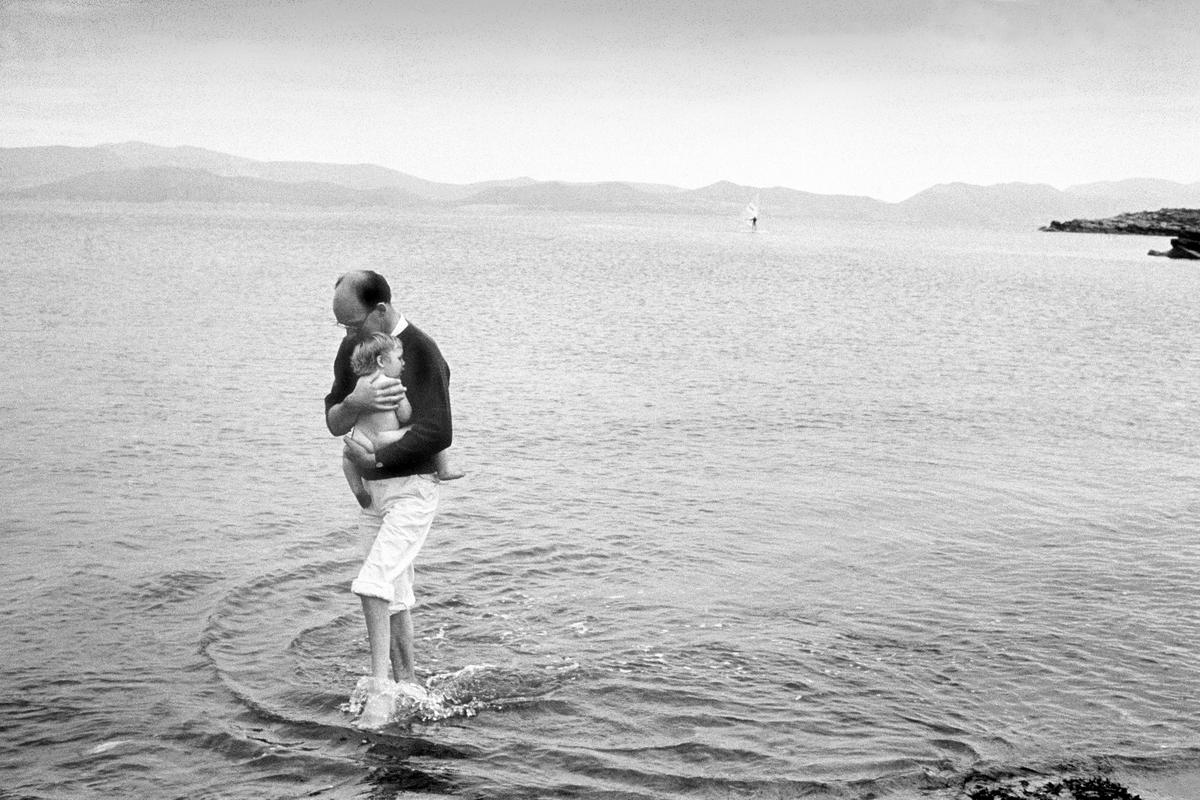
(401, 477)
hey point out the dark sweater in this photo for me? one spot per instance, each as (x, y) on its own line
(426, 379)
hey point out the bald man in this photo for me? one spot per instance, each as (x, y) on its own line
(400, 477)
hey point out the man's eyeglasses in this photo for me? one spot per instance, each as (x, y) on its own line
(353, 326)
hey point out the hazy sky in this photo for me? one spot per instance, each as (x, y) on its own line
(878, 97)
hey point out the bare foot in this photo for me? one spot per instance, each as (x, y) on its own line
(450, 475)
(376, 712)
(381, 700)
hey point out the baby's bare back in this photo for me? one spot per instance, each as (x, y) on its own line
(376, 422)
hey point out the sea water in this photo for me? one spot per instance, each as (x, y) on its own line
(822, 510)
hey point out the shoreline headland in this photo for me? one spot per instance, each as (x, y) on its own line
(1164, 222)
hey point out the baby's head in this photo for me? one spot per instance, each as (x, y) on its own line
(378, 352)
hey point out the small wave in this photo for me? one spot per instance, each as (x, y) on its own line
(173, 587)
(106, 746)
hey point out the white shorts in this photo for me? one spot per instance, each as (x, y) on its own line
(394, 530)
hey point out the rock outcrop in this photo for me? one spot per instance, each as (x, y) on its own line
(1186, 245)
(1164, 222)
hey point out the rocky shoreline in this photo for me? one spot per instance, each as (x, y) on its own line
(1164, 222)
(1181, 223)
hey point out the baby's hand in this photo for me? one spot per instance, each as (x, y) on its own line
(364, 499)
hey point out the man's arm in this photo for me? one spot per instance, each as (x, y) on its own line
(340, 417)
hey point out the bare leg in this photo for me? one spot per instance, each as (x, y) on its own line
(379, 635)
(356, 483)
(380, 701)
(403, 667)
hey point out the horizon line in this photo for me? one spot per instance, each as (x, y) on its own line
(629, 182)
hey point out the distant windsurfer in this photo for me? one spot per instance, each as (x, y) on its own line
(751, 213)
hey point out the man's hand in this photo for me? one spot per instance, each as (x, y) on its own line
(359, 451)
(378, 393)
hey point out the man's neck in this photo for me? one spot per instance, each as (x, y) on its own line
(396, 323)
(391, 318)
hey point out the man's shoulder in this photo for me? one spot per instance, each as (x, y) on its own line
(413, 336)
(410, 331)
(343, 376)
(423, 349)
(341, 361)
(346, 347)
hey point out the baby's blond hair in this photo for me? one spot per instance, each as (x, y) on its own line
(365, 358)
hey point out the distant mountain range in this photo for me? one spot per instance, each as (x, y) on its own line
(144, 173)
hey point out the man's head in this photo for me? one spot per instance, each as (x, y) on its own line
(362, 303)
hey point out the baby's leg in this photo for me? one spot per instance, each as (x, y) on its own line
(356, 483)
(362, 438)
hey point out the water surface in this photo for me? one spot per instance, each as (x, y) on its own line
(819, 511)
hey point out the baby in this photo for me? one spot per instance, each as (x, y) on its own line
(383, 354)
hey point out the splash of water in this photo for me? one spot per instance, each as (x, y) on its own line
(462, 693)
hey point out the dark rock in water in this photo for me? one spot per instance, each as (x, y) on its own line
(1180, 248)
(1097, 788)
